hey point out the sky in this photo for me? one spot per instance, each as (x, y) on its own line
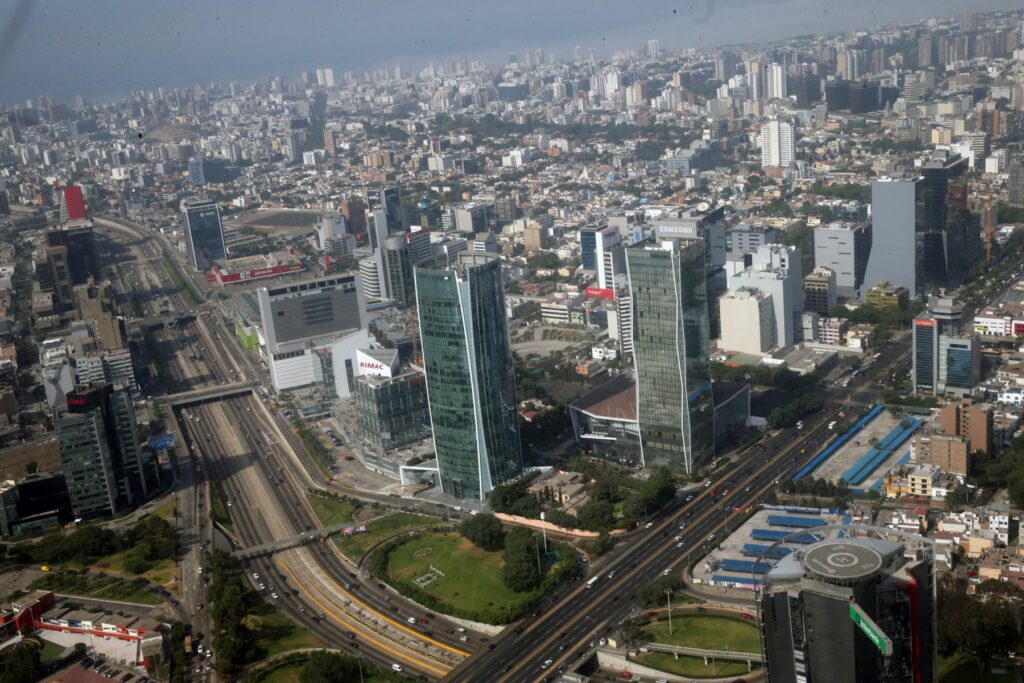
(103, 49)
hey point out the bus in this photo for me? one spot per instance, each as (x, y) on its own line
(591, 582)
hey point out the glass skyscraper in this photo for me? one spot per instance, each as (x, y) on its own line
(204, 233)
(671, 353)
(897, 214)
(468, 363)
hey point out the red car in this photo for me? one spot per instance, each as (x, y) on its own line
(748, 617)
(650, 615)
(625, 675)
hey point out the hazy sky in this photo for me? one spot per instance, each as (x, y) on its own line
(105, 48)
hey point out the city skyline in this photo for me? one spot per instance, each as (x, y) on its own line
(154, 49)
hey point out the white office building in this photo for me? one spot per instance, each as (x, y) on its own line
(311, 331)
(776, 144)
(748, 322)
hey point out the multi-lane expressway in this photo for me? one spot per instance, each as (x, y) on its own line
(566, 629)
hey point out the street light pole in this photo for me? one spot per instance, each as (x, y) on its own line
(544, 531)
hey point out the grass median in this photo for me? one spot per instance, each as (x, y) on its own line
(355, 546)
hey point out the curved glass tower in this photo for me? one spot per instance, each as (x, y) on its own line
(468, 363)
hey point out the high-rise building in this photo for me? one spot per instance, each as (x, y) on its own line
(300, 319)
(777, 82)
(777, 144)
(946, 360)
(849, 610)
(725, 65)
(820, 291)
(844, 248)
(104, 465)
(391, 402)
(204, 233)
(398, 270)
(1015, 169)
(601, 253)
(748, 322)
(71, 259)
(970, 420)
(776, 269)
(807, 89)
(897, 213)
(86, 460)
(468, 363)
(950, 239)
(389, 200)
(671, 339)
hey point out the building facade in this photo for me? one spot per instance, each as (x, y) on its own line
(671, 339)
(204, 233)
(843, 248)
(468, 365)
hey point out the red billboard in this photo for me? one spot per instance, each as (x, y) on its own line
(74, 204)
(600, 293)
(1018, 328)
(257, 273)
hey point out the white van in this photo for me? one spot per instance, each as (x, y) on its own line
(397, 667)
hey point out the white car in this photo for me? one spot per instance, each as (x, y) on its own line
(274, 595)
(411, 620)
(547, 663)
(256, 575)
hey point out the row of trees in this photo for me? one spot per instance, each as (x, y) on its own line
(151, 540)
(598, 513)
(233, 640)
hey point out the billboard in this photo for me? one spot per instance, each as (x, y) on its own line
(871, 629)
(600, 293)
(162, 442)
(255, 273)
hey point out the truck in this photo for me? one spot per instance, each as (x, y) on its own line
(188, 645)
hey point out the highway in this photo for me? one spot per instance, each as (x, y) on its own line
(567, 628)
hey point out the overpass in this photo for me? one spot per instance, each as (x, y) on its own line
(209, 393)
(294, 541)
(169, 320)
(749, 657)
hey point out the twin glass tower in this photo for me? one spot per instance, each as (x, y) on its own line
(471, 386)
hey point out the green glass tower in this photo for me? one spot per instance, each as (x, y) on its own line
(671, 344)
(468, 364)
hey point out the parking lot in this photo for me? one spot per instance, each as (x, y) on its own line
(741, 556)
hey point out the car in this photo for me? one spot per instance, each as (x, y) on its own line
(648, 525)
(677, 539)
(490, 646)
(351, 634)
(398, 668)
(547, 663)
(274, 595)
(667, 572)
(263, 586)
(411, 620)
(625, 675)
(256, 575)
(424, 620)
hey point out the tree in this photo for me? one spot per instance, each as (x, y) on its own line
(632, 631)
(329, 667)
(484, 531)
(20, 663)
(521, 573)
(596, 515)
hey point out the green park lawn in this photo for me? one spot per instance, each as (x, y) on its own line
(331, 512)
(706, 632)
(380, 529)
(160, 573)
(473, 577)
